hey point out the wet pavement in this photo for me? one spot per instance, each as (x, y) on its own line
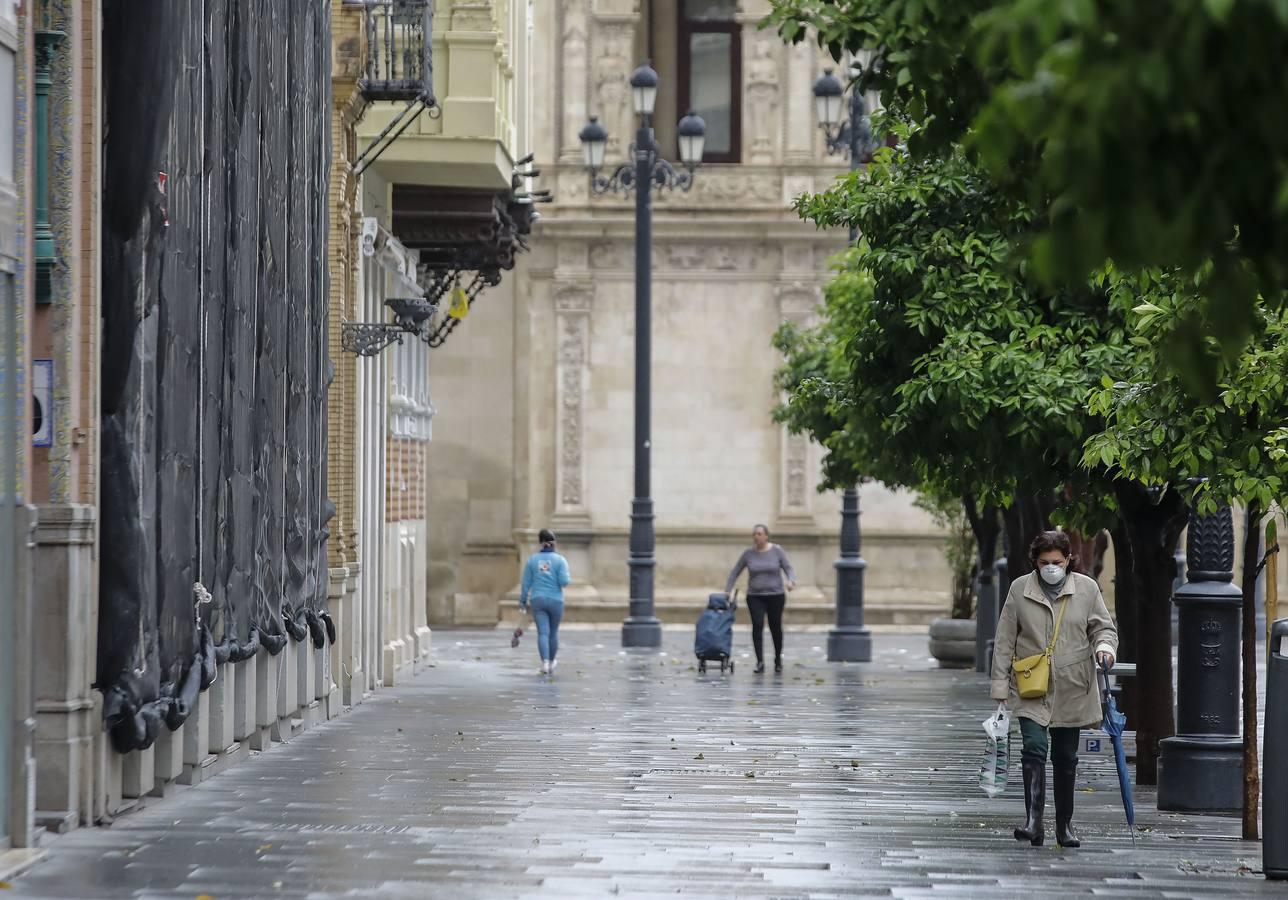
(633, 775)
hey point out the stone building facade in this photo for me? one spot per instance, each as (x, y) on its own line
(17, 800)
(355, 431)
(535, 408)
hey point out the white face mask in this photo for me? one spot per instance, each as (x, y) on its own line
(1052, 573)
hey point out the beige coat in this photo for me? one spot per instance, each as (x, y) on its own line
(1025, 628)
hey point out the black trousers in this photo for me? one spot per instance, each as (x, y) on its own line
(762, 605)
(1063, 744)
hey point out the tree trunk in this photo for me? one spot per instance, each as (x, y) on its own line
(1127, 613)
(1089, 553)
(1251, 569)
(1153, 528)
(1026, 517)
(986, 528)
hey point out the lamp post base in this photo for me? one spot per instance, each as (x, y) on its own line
(642, 631)
(1200, 775)
(849, 644)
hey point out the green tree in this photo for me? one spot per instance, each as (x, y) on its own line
(1231, 449)
(1109, 120)
(939, 365)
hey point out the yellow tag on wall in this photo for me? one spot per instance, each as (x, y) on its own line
(460, 305)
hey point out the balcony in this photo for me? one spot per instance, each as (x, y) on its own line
(399, 37)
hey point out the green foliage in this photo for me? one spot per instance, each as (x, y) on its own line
(922, 68)
(961, 552)
(1148, 134)
(938, 364)
(1156, 432)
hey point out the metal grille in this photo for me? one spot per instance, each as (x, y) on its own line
(398, 50)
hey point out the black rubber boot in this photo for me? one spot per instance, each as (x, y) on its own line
(1034, 803)
(1064, 779)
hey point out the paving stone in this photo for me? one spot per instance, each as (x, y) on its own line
(632, 775)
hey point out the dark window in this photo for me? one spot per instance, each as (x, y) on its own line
(711, 73)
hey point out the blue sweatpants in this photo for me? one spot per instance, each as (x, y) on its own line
(548, 613)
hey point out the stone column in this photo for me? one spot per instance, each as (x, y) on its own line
(573, 302)
(343, 260)
(66, 643)
(574, 67)
(1201, 768)
(802, 134)
(796, 304)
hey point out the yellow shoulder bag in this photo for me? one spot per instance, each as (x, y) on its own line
(1033, 673)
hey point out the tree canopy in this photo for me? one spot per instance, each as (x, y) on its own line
(1146, 135)
(937, 362)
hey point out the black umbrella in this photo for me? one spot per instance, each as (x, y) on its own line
(1113, 726)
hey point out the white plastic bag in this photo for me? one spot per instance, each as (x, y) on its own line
(997, 752)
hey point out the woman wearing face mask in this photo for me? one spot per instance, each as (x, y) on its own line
(1058, 608)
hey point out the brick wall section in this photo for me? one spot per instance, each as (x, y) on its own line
(342, 258)
(86, 441)
(405, 494)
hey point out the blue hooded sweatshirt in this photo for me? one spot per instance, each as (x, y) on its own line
(545, 575)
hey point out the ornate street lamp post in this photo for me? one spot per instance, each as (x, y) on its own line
(648, 171)
(849, 641)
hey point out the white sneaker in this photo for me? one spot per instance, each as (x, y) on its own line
(545, 667)
(553, 663)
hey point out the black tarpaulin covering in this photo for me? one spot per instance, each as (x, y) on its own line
(214, 364)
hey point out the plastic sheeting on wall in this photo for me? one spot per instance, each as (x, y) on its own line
(214, 365)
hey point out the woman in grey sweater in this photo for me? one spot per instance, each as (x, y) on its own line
(766, 564)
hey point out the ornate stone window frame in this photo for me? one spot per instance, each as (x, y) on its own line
(685, 30)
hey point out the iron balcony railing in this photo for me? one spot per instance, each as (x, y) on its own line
(399, 38)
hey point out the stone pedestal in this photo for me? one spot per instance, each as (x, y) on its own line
(197, 757)
(66, 637)
(306, 676)
(346, 653)
(1201, 768)
(265, 700)
(286, 669)
(244, 684)
(138, 773)
(169, 757)
(223, 709)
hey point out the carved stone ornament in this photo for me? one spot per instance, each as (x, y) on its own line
(612, 100)
(797, 301)
(796, 464)
(473, 15)
(572, 306)
(761, 108)
(729, 187)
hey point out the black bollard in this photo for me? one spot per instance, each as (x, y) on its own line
(850, 641)
(1201, 768)
(987, 609)
(1002, 582)
(1274, 778)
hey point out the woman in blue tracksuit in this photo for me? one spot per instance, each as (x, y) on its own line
(545, 575)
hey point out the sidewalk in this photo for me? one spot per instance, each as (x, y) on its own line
(630, 775)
